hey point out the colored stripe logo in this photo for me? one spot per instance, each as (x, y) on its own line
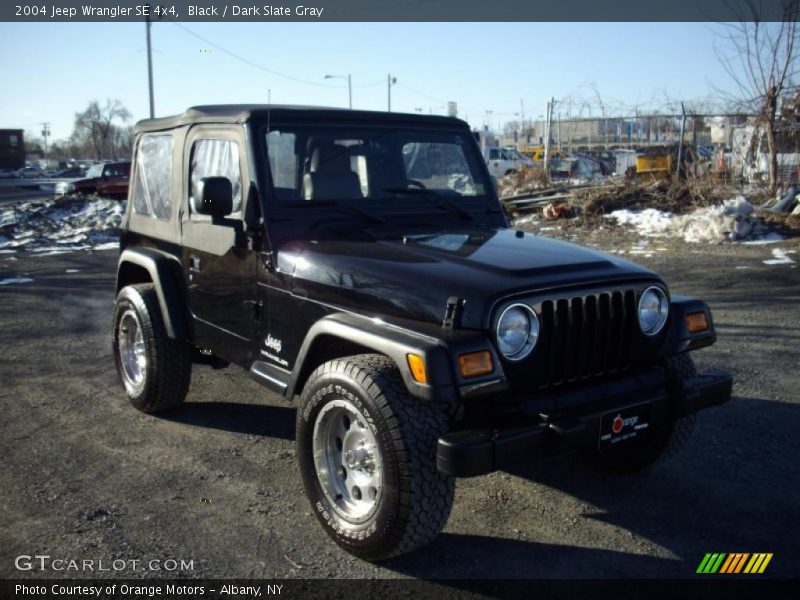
(734, 563)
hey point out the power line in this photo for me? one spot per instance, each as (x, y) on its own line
(267, 69)
(405, 85)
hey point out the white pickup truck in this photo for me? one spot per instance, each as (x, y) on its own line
(502, 161)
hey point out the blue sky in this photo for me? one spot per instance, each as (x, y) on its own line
(52, 70)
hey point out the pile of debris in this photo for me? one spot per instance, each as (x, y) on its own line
(64, 225)
(693, 211)
(521, 182)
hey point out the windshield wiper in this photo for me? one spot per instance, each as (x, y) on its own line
(441, 201)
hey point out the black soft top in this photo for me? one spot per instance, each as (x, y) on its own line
(242, 113)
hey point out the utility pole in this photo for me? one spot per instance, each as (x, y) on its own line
(45, 135)
(150, 65)
(522, 118)
(680, 143)
(390, 81)
(549, 117)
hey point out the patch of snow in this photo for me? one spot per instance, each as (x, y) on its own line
(732, 220)
(7, 251)
(648, 222)
(13, 280)
(107, 246)
(70, 224)
(772, 237)
(72, 271)
(781, 257)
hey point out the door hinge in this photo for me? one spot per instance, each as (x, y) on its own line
(258, 309)
(452, 313)
(268, 259)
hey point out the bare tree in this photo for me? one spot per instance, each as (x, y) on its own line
(761, 58)
(96, 125)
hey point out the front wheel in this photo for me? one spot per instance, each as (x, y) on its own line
(367, 454)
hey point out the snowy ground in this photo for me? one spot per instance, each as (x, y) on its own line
(56, 226)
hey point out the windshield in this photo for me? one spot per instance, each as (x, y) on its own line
(94, 171)
(331, 163)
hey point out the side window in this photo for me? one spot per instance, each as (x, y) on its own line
(152, 186)
(215, 158)
(494, 154)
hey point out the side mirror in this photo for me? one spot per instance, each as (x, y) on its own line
(217, 199)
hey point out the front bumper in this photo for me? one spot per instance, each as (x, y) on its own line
(571, 420)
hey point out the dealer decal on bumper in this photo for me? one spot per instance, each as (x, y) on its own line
(623, 425)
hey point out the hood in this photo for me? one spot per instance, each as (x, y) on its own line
(413, 276)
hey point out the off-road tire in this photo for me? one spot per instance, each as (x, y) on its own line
(416, 499)
(168, 369)
(660, 444)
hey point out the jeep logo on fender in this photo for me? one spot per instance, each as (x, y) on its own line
(273, 343)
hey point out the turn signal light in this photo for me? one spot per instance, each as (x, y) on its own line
(696, 322)
(417, 365)
(474, 364)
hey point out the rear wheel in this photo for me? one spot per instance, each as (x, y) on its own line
(660, 444)
(155, 370)
(367, 454)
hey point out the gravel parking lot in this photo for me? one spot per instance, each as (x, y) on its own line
(86, 476)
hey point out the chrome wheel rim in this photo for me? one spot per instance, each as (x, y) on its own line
(132, 352)
(348, 461)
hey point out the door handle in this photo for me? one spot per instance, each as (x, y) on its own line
(194, 264)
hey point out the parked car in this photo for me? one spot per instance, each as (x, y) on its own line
(31, 172)
(9, 174)
(109, 180)
(362, 262)
(70, 173)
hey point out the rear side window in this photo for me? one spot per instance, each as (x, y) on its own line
(216, 158)
(152, 186)
(117, 170)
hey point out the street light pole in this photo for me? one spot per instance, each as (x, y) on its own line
(349, 86)
(150, 66)
(390, 81)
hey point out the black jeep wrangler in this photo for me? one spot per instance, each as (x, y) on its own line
(363, 262)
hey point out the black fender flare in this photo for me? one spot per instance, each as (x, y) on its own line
(387, 339)
(677, 338)
(166, 275)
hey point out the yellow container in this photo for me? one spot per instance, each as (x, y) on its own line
(654, 165)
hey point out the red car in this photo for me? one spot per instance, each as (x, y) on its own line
(109, 180)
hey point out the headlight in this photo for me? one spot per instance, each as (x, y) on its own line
(517, 331)
(653, 310)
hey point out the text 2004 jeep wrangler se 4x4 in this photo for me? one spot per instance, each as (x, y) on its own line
(362, 261)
